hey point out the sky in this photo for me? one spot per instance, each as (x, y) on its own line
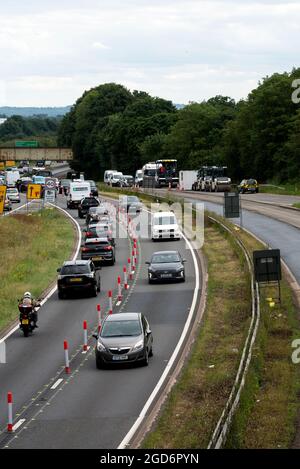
(190, 50)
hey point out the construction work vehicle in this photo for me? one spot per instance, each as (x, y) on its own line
(212, 179)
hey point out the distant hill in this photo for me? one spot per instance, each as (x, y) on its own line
(34, 111)
(178, 106)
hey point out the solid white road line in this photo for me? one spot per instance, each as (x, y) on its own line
(18, 424)
(126, 440)
(57, 383)
(54, 288)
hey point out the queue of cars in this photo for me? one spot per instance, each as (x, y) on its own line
(124, 337)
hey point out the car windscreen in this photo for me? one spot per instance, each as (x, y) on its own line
(251, 181)
(166, 220)
(89, 202)
(92, 183)
(132, 198)
(121, 328)
(75, 269)
(165, 258)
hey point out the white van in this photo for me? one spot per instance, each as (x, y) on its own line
(138, 180)
(78, 190)
(165, 226)
(12, 177)
(116, 179)
(107, 174)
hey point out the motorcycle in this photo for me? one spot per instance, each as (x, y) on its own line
(28, 318)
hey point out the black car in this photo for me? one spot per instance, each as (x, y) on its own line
(124, 338)
(78, 276)
(95, 213)
(101, 231)
(94, 188)
(86, 204)
(130, 203)
(99, 250)
(64, 186)
(166, 266)
(22, 184)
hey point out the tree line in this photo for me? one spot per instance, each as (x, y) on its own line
(18, 127)
(110, 127)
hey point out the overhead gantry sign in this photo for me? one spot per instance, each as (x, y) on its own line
(36, 154)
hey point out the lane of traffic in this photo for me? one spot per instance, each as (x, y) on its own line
(98, 408)
(34, 361)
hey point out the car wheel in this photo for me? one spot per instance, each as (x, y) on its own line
(99, 287)
(150, 281)
(61, 295)
(95, 291)
(99, 363)
(151, 352)
(145, 362)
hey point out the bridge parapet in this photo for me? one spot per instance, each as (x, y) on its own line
(35, 154)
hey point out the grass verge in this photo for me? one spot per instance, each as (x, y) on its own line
(267, 415)
(296, 205)
(32, 247)
(281, 189)
(197, 400)
(269, 406)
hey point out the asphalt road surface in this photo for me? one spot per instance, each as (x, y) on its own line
(279, 227)
(90, 408)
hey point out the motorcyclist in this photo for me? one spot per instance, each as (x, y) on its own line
(28, 300)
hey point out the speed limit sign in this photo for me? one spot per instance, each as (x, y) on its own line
(50, 183)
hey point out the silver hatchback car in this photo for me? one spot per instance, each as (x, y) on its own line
(124, 338)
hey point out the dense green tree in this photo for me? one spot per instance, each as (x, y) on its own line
(108, 124)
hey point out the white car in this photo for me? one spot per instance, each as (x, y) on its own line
(138, 180)
(107, 175)
(13, 194)
(165, 226)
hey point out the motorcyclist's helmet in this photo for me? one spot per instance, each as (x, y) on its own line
(27, 294)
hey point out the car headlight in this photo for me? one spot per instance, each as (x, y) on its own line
(139, 345)
(100, 347)
(59, 277)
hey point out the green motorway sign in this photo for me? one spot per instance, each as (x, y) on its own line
(26, 144)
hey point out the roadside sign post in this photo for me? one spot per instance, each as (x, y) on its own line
(26, 144)
(49, 196)
(232, 206)
(2, 198)
(34, 192)
(267, 269)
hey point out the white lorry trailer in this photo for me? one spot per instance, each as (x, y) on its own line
(187, 179)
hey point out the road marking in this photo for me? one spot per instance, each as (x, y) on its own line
(57, 383)
(18, 424)
(118, 303)
(128, 437)
(12, 331)
(85, 351)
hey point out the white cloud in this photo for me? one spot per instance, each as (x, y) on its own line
(99, 45)
(180, 49)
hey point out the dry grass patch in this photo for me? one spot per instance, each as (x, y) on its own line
(32, 247)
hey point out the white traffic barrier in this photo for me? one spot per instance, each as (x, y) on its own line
(125, 278)
(67, 362)
(119, 289)
(99, 318)
(110, 302)
(85, 337)
(10, 412)
(133, 261)
(129, 269)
